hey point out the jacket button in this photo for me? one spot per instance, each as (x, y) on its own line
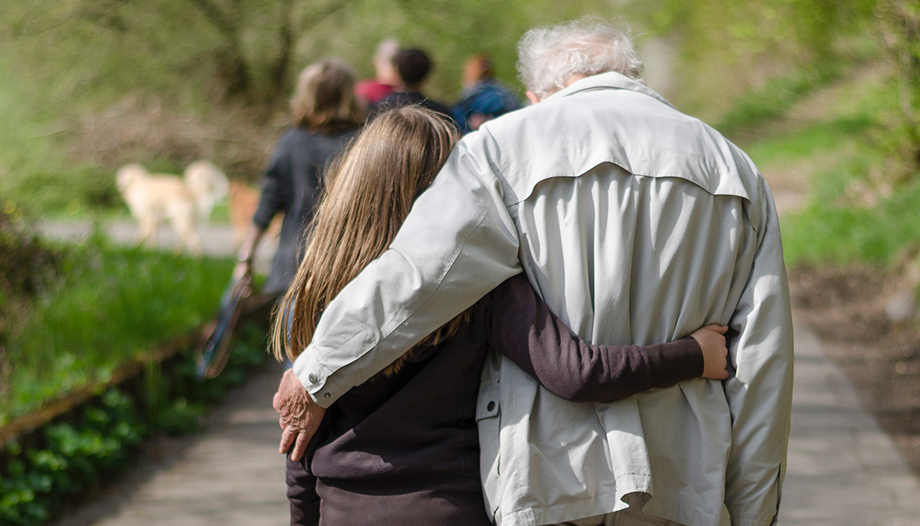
(326, 395)
(490, 407)
(313, 378)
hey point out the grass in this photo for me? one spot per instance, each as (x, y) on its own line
(839, 235)
(810, 141)
(114, 305)
(845, 144)
(774, 99)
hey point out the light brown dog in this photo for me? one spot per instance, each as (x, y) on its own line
(153, 198)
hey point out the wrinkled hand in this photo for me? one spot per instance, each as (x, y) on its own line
(715, 354)
(299, 415)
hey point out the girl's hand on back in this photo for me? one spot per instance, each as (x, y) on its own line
(715, 354)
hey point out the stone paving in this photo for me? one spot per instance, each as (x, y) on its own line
(843, 469)
(232, 475)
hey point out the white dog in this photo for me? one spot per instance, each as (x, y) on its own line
(183, 201)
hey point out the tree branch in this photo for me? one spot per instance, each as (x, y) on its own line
(237, 72)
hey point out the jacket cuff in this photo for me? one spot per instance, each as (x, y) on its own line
(315, 378)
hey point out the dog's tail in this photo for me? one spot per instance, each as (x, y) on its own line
(207, 183)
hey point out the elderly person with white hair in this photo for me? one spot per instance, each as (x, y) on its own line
(386, 76)
(636, 224)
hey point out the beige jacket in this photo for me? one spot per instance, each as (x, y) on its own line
(637, 224)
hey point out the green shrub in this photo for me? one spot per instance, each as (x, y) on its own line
(37, 482)
(113, 305)
(27, 268)
(72, 191)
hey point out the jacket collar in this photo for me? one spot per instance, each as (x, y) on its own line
(608, 80)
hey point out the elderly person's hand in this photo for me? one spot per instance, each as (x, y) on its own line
(299, 415)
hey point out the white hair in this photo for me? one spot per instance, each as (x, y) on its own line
(387, 50)
(551, 55)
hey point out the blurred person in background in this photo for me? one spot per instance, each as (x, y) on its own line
(325, 115)
(483, 97)
(386, 77)
(413, 66)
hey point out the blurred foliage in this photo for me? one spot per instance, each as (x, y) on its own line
(72, 192)
(27, 266)
(902, 38)
(824, 234)
(27, 269)
(727, 47)
(88, 85)
(104, 48)
(858, 209)
(198, 50)
(168, 81)
(773, 100)
(113, 305)
(35, 172)
(848, 220)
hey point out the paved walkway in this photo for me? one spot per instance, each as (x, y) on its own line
(229, 475)
(216, 239)
(843, 470)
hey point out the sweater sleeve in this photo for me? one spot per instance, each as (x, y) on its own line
(523, 329)
(275, 187)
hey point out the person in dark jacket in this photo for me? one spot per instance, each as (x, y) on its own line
(325, 115)
(413, 66)
(402, 447)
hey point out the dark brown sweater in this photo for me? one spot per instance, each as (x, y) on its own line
(404, 449)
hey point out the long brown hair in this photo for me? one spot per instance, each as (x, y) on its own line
(324, 99)
(369, 191)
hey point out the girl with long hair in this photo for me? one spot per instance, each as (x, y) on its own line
(402, 448)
